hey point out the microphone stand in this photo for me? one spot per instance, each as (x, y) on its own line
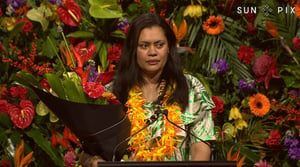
(149, 121)
(165, 112)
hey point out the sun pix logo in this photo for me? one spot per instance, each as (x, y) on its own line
(266, 9)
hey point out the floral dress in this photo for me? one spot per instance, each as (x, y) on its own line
(197, 116)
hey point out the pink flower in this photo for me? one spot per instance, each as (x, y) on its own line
(296, 43)
(70, 159)
(262, 163)
(246, 54)
(264, 67)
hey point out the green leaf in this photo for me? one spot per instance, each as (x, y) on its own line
(26, 79)
(118, 34)
(17, 29)
(74, 92)
(56, 85)
(45, 145)
(5, 120)
(103, 55)
(39, 15)
(105, 9)
(81, 34)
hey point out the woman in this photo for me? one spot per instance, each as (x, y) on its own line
(150, 78)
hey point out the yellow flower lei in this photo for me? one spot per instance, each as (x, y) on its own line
(144, 148)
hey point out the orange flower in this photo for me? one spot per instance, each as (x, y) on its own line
(20, 160)
(259, 104)
(297, 9)
(214, 25)
(236, 157)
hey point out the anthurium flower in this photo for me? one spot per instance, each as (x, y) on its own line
(194, 10)
(240, 124)
(226, 133)
(85, 53)
(20, 160)
(22, 115)
(234, 113)
(93, 89)
(70, 13)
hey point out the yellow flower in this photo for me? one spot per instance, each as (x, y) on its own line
(234, 113)
(194, 10)
(240, 124)
(9, 23)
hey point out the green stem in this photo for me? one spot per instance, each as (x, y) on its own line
(85, 20)
(57, 54)
(68, 48)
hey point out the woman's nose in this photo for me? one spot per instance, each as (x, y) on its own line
(152, 51)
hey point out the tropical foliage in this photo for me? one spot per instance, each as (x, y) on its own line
(245, 52)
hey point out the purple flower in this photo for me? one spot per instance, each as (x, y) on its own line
(12, 5)
(70, 159)
(93, 75)
(56, 2)
(290, 141)
(294, 153)
(122, 23)
(246, 85)
(220, 66)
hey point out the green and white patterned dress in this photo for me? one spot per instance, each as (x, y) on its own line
(198, 117)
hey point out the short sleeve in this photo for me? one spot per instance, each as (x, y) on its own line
(198, 115)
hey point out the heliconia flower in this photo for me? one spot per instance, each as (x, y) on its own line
(220, 66)
(272, 29)
(70, 13)
(214, 25)
(93, 89)
(70, 159)
(259, 104)
(181, 31)
(23, 114)
(68, 135)
(246, 85)
(264, 68)
(194, 10)
(20, 160)
(234, 113)
(106, 77)
(236, 157)
(262, 163)
(246, 54)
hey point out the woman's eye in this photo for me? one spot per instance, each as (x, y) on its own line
(159, 45)
(143, 46)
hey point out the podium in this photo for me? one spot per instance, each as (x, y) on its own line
(168, 164)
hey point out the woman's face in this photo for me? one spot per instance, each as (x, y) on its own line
(152, 50)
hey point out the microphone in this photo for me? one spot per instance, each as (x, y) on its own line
(165, 112)
(149, 121)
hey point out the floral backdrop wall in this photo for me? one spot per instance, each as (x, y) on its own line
(245, 52)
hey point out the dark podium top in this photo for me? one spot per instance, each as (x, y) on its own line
(168, 164)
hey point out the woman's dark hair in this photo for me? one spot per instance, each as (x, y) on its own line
(129, 73)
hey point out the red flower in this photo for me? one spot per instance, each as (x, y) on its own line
(93, 89)
(250, 17)
(70, 159)
(5, 162)
(45, 84)
(251, 30)
(18, 91)
(85, 53)
(296, 43)
(246, 54)
(3, 106)
(274, 139)
(21, 115)
(264, 67)
(219, 106)
(84, 75)
(113, 53)
(27, 26)
(70, 14)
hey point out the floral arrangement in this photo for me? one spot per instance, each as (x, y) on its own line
(248, 61)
